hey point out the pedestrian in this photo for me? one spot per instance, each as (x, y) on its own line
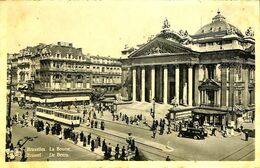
(213, 131)
(137, 157)
(81, 135)
(96, 124)
(60, 136)
(23, 158)
(241, 127)
(123, 154)
(98, 140)
(246, 136)
(92, 123)
(19, 144)
(168, 158)
(154, 133)
(102, 125)
(84, 141)
(47, 130)
(169, 129)
(72, 126)
(92, 145)
(89, 137)
(133, 145)
(103, 145)
(109, 150)
(116, 152)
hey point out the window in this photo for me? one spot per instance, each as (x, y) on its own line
(202, 44)
(219, 29)
(211, 29)
(239, 97)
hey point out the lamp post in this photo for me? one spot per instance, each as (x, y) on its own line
(153, 108)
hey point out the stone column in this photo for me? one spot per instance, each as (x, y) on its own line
(231, 85)
(215, 97)
(206, 75)
(165, 84)
(134, 84)
(177, 83)
(190, 85)
(184, 96)
(51, 81)
(152, 82)
(218, 97)
(223, 85)
(206, 98)
(160, 96)
(196, 86)
(245, 78)
(143, 85)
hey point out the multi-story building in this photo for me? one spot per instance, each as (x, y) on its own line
(53, 73)
(106, 74)
(211, 72)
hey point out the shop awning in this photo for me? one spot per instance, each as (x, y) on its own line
(207, 111)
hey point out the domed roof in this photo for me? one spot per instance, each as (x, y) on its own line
(218, 24)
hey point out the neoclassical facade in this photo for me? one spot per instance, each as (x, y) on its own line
(215, 67)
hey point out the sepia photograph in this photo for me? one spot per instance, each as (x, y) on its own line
(129, 81)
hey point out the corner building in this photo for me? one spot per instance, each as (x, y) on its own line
(212, 71)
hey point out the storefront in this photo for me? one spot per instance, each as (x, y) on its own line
(207, 117)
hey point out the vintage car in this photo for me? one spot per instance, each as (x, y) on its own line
(195, 133)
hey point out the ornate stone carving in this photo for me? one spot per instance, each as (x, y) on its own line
(231, 30)
(166, 24)
(249, 32)
(183, 33)
(156, 50)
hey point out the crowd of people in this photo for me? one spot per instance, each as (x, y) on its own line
(13, 152)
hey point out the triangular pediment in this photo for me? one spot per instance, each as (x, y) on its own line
(209, 84)
(160, 46)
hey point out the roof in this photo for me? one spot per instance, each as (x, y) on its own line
(217, 25)
(61, 110)
(207, 111)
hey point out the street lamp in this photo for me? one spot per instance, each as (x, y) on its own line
(153, 114)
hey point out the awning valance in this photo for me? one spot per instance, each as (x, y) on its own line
(206, 111)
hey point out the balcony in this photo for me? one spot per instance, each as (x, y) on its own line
(65, 69)
(65, 59)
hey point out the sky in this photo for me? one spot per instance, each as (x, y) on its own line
(105, 27)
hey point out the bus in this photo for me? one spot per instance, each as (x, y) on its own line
(67, 117)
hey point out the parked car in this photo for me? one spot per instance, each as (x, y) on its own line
(195, 133)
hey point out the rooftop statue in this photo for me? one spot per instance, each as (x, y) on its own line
(166, 24)
(249, 32)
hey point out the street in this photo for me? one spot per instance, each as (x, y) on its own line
(43, 147)
(212, 148)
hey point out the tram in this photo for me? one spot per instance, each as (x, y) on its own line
(67, 117)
